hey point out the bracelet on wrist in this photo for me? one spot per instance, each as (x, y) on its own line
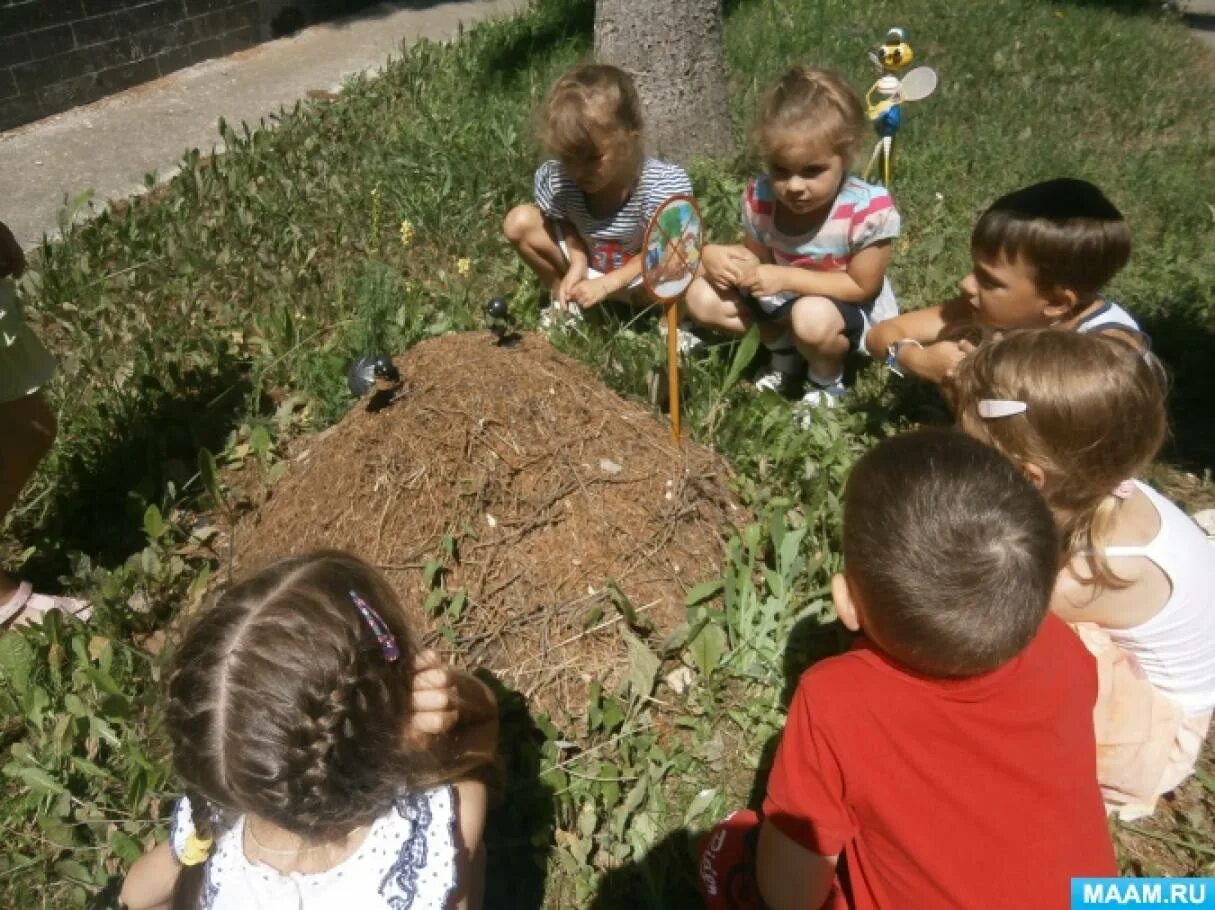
(892, 354)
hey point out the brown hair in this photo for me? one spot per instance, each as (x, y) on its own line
(952, 553)
(1094, 417)
(586, 106)
(282, 704)
(1065, 229)
(818, 103)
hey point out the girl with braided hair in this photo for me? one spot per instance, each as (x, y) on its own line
(326, 763)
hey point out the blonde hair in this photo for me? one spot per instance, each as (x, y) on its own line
(820, 104)
(585, 106)
(1094, 417)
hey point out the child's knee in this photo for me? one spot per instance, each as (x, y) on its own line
(815, 320)
(521, 221)
(702, 300)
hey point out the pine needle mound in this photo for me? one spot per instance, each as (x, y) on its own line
(548, 484)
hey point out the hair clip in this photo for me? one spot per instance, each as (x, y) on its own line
(388, 642)
(195, 850)
(992, 408)
(1125, 489)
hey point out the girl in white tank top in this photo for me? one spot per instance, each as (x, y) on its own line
(1082, 413)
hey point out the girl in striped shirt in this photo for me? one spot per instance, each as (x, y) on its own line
(811, 269)
(583, 235)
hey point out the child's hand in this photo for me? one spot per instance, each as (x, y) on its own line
(591, 292)
(444, 698)
(573, 276)
(728, 266)
(939, 362)
(766, 280)
(12, 260)
(435, 703)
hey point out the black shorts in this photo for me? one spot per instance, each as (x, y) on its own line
(854, 319)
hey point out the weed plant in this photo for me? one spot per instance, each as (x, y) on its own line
(217, 315)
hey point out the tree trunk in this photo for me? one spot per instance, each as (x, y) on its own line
(673, 49)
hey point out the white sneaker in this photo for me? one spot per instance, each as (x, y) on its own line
(816, 397)
(687, 341)
(777, 381)
(784, 372)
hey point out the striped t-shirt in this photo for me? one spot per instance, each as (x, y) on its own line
(861, 215)
(613, 240)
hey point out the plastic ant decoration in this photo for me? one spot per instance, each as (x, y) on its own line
(501, 322)
(375, 372)
(885, 110)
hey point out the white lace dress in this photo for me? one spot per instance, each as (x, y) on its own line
(406, 862)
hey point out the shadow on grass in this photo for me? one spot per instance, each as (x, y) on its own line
(550, 24)
(1151, 8)
(519, 829)
(1187, 350)
(666, 877)
(101, 491)
(339, 14)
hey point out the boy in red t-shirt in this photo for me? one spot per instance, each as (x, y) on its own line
(948, 759)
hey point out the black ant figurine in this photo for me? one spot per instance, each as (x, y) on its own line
(501, 322)
(375, 372)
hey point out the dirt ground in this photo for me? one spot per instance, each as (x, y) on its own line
(556, 506)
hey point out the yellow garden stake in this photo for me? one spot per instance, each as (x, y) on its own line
(671, 248)
(885, 98)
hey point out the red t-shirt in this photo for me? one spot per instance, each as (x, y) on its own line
(978, 792)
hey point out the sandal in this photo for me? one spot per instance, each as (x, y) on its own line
(26, 607)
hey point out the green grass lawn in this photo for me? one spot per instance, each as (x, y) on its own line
(218, 316)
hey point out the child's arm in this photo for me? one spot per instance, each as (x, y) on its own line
(859, 284)
(924, 326)
(150, 883)
(930, 355)
(593, 291)
(1077, 599)
(790, 876)
(472, 803)
(575, 252)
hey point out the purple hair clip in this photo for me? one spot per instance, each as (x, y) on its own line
(388, 642)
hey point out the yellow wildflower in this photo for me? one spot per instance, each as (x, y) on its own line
(406, 233)
(463, 267)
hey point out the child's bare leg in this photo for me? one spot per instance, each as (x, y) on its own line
(716, 309)
(818, 332)
(29, 430)
(528, 232)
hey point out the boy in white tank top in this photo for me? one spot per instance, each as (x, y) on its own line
(1041, 256)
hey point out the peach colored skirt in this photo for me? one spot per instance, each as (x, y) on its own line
(1146, 745)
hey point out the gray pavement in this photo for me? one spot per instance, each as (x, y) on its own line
(1200, 17)
(109, 146)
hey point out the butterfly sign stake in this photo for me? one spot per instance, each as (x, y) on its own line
(672, 245)
(885, 98)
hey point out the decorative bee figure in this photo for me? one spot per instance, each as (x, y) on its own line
(885, 97)
(893, 54)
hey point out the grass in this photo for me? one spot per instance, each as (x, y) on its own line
(217, 316)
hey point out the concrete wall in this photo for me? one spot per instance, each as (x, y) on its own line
(56, 54)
